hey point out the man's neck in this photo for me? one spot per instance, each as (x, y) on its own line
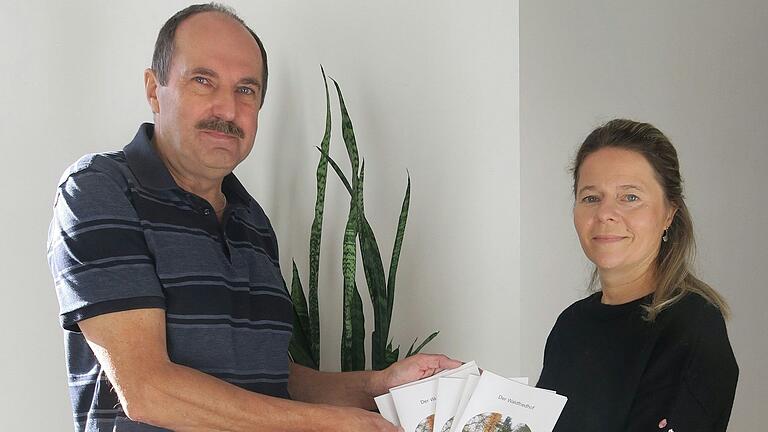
(206, 187)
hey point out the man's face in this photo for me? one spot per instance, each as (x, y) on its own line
(206, 115)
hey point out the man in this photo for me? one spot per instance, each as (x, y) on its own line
(174, 309)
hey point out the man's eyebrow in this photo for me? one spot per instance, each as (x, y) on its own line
(587, 187)
(204, 71)
(251, 81)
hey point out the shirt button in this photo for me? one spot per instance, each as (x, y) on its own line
(207, 212)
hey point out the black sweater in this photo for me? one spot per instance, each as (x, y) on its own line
(622, 373)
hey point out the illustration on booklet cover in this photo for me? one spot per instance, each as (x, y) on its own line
(494, 422)
(448, 425)
(426, 425)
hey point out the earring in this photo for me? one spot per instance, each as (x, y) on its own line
(665, 237)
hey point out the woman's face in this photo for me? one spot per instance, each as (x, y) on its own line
(620, 211)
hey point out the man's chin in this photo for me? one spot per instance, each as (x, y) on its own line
(221, 165)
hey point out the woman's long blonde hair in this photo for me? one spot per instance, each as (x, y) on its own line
(674, 276)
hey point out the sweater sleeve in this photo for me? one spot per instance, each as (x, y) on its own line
(709, 381)
(547, 379)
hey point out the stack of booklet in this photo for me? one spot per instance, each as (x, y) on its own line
(466, 400)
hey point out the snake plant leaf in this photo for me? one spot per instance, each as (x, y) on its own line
(298, 349)
(315, 236)
(348, 133)
(393, 263)
(374, 270)
(411, 351)
(299, 301)
(299, 346)
(374, 277)
(335, 166)
(353, 329)
(391, 356)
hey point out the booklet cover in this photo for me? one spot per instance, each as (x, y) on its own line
(449, 392)
(499, 404)
(466, 393)
(415, 406)
(521, 380)
(387, 408)
(386, 404)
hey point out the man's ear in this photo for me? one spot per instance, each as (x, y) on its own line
(150, 88)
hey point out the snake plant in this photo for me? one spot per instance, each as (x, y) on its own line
(305, 344)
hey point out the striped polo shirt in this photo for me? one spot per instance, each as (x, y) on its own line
(125, 236)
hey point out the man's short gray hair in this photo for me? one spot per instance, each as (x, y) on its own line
(163, 55)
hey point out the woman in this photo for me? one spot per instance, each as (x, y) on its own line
(649, 350)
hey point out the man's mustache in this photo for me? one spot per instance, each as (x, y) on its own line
(223, 126)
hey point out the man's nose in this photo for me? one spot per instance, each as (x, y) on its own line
(224, 104)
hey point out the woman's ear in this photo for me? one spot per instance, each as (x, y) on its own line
(671, 211)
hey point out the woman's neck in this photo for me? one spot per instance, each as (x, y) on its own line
(621, 287)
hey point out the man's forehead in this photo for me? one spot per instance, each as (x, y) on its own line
(211, 37)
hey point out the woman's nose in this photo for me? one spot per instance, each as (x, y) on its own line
(607, 210)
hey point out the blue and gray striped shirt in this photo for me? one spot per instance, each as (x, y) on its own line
(125, 236)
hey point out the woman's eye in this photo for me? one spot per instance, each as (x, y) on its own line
(201, 80)
(631, 197)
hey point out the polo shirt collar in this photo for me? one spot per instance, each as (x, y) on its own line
(145, 163)
(151, 172)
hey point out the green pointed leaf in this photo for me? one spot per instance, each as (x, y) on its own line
(353, 330)
(374, 277)
(299, 347)
(391, 356)
(393, 263)
(299, 301)
(410, 350)
(336, 168)
(418, 349)
(353, 348)
(315, 236)
(348, 133)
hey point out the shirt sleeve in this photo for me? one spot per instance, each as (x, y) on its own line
(709, 382)
(97, 253)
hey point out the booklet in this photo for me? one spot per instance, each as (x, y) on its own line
(449, 392)
(521, 380)
(415, 406)
(386, 404)
(416, 403)
(387, 408)
(466, 393)
(500, 404)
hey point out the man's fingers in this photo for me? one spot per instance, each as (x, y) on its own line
(440, 362)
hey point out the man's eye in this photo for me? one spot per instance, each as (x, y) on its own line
(590, 199)
(246, 91)
(631, 197)
(201, 80)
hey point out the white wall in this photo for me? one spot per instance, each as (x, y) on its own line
(695, 69)
(431, 87)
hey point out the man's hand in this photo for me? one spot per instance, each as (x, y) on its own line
(356, 420)
(357, 389)
(408, 370)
